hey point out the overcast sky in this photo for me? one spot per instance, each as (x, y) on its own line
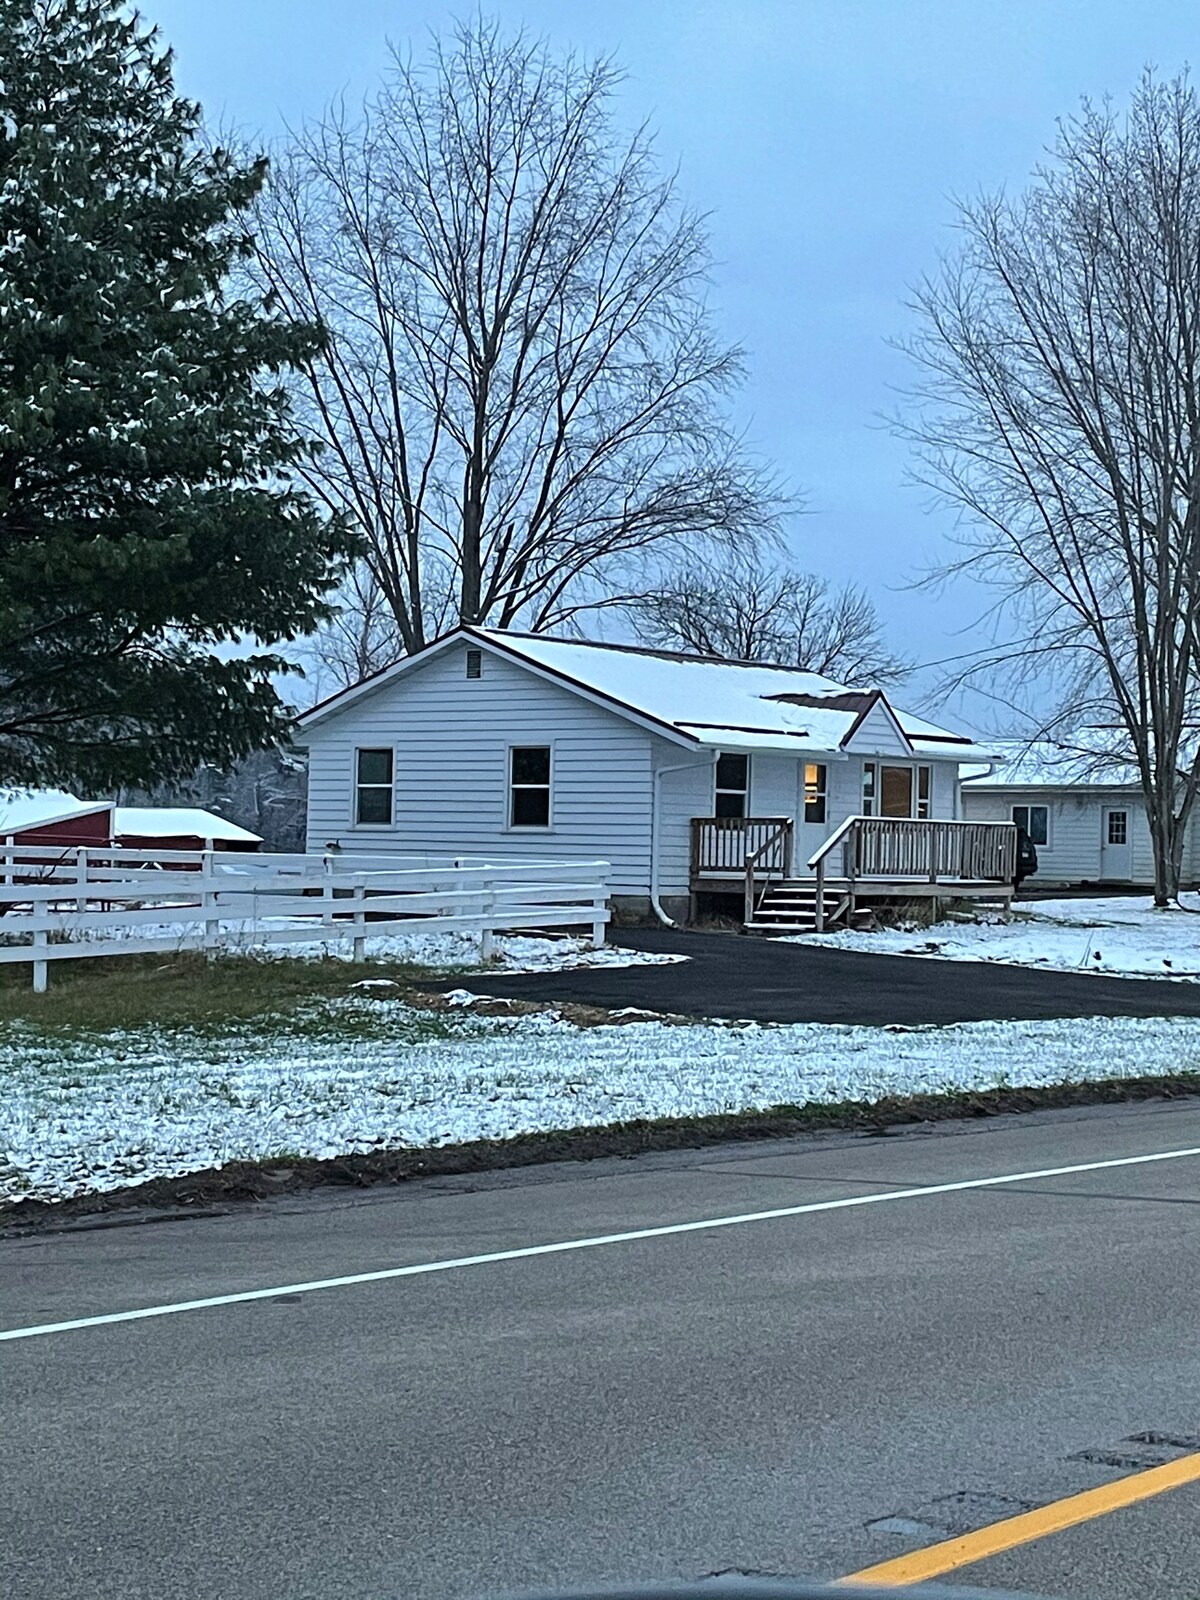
(826, 138)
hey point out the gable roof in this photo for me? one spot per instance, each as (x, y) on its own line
(698, 701)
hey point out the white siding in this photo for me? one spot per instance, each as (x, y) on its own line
(877, 734)
(774, 781)
(451, 737)
(682, 795)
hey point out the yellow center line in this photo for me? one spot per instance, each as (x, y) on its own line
(921, 1565)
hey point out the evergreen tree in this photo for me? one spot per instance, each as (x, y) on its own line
(149, 521)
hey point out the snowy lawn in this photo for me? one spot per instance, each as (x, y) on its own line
(92, 1109)
(441, 951)
(1122, 935)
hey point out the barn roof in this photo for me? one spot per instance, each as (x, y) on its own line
(178, 822)
(22, 809)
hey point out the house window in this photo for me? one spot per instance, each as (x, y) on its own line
(1036, 822)
(373, 782)
(868, 789)
(924, 791)
(474, 663)
(815, 785)
(733, 786)
(1118, 826)
(529, 786)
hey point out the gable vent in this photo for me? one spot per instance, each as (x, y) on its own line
(474, 663)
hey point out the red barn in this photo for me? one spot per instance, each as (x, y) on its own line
(53, 817)
(178, 828)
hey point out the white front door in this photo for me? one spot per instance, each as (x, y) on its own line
(1116, 844)
(813, 821)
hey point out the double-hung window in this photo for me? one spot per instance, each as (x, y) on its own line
(1036, 822)
(374, 784)
(732, 786)
(529, 786)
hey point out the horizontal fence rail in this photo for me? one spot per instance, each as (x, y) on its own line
(72, 904)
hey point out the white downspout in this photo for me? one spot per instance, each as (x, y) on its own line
(656, 829)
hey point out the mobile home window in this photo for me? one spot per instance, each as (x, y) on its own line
(733, 785)
(373, 785)
(529, 786)
(815, 787)
(1035, 820)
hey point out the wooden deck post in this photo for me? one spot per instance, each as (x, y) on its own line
(819, 911)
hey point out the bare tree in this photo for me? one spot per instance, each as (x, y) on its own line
(1059, 412)
(747, 610)
(520, 385)
(360, 639)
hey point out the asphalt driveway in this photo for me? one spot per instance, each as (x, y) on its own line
(734, 976)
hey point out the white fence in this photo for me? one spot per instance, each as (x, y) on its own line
(62, 905)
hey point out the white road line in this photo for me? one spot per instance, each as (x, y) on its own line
(419, 1269)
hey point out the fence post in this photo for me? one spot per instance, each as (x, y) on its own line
(208, 901)
(487, 934)
(40, 967)
(360, 921)
(327, 890)
(81, 877)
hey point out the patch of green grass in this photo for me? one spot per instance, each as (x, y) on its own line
(187, 990)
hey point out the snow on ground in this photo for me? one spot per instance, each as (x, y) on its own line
(442, 951)
(1123, 935)
(101, 1111)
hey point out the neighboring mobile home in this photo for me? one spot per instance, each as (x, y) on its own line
(676, 769)
(1086, 816)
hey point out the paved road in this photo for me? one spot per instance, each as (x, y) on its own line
(731, 975)
(750, 1397)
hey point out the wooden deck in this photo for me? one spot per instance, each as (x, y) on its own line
(865, 859)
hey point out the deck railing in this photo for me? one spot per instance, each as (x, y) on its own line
(904, 849)
(897, 847)
(722, 846)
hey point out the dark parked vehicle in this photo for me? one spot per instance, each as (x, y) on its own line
(1027, 860)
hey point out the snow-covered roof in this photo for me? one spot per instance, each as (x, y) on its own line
(178, 822)
(42, 808)
(1043, 764)
(698, 700)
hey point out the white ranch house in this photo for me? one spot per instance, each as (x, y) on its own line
(1086, 817)
(695, 778)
